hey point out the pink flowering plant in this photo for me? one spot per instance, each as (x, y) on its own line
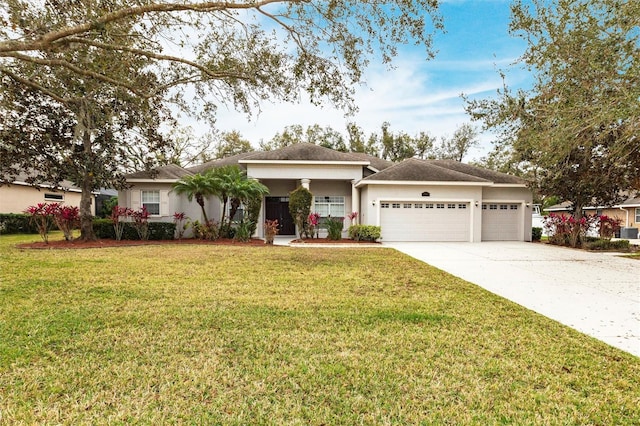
(119, 216)
(352, 217)
(141, 222)
(42, 216)
(66, 219)
(567, 230)
(181, 221)
(313, 223)
(608, 226)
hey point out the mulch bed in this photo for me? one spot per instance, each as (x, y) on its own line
(333, 242)
(77, 244)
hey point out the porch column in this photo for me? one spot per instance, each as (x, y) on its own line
(305, 183)
(355, 200)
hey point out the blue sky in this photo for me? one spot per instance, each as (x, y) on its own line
(418, 95)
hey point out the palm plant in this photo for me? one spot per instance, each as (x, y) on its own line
(235, 188)
(198, 186)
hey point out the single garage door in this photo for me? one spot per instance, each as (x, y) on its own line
(501, 222)
(411, 221)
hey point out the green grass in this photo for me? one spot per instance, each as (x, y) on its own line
(277, 335)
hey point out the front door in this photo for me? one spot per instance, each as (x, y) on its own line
(278, 208)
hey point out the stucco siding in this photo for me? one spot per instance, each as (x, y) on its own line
(304, 171)
(16, 198)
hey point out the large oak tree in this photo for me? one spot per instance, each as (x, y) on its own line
(238, 53)
(576, 130)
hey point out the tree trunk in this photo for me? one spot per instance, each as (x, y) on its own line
(86, 200)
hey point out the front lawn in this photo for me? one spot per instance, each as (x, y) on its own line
(277, 335)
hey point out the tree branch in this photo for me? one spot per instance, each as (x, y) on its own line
(42, 42)
(34, 86)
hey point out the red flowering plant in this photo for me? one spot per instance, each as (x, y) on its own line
(141, 222)
(608, 226)
(352, 217)
(66, 219)
(181, 221)
(567, 230)
(313, 225)
(118, 218)
(42, 215)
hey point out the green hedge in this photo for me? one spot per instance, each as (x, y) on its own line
(604, 244)
(157, 230)
(12, 223)
(364, 232)
(536, 233)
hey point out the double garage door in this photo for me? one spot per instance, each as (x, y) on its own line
(449, 221)
(411, 221)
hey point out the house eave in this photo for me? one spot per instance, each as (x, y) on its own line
(420, 183)
(509, 185)
(48, 186)
(306, 162)
(149, 180)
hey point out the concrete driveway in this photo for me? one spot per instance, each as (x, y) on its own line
(595, 293)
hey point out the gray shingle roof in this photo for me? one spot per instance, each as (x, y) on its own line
(303, 152)
(170, 171)
(414, 169)
(220, 162)
(493, 176)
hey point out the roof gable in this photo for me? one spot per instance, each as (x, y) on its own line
(170, 171)
(491, 175)
(417, 170)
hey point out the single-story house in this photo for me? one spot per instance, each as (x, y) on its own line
(414, 200)
(17, 196)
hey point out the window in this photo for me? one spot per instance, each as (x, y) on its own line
(384, 205)
(484, 207)
(407, 205)
(503, 206)
(451, 206)
(329, 206)
(513, 207)
(417, 206)
(151, 200)
(395, 205)
(493, 207)
(637, 215)
(428, 206)
(440, 206)
(53, 197)
(462, 206)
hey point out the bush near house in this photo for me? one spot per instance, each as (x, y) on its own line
(157, 230)
(536, 233)
(15, 223)
(364, 232)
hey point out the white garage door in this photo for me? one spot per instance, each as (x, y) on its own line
(411, 221)
(501, 222)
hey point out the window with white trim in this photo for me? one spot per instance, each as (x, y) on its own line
(462, 206)
(395, 205)
(329, 206)
(53, 197)
(406, 205)
(429, 205)
(384, 205)
(151, 200)
(513, 207)
(440, 206)
(484, 207)
(493, 207)
(503, 206)
(637, 215)
(417, 205)
(451, 206)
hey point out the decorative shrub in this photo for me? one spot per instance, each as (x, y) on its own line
(42, 217)
(141, 223)
(609, 226)
(334, 227)
(118, 218)
(15, 223)
(536, 233)
(300, 208)
(243, 231)
(253, 206)
(180, 221)
(270, 230)
(364, 232)
(206, 231)
(103, 228)
(607, 244)
(567, 230)
(313, 225)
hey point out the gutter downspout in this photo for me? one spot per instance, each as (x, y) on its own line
(626, 223)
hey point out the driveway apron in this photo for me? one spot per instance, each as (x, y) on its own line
(595, 293)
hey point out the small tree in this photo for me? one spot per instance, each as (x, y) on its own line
(300, 208)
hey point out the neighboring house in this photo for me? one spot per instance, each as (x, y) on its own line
(628, 211)
(415, 200)
(18, 195)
